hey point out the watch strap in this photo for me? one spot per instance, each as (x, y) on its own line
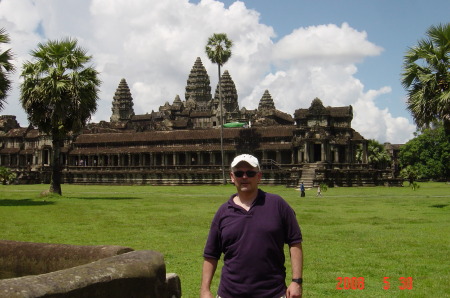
(298, 280)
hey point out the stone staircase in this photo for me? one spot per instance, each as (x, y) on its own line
(308, 175)
(269, 164)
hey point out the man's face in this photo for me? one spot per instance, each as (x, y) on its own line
(245, 183)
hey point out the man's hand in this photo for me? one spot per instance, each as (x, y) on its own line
(294, 290)
(206, 294)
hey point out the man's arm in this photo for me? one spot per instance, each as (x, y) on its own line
(209, 268)
(295, 290)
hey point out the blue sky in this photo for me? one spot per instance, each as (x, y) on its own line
(394, 25)
(344, 52)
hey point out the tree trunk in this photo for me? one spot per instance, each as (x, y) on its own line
(224, 180)
(55, 184)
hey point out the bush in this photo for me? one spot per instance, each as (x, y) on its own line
(7, 176)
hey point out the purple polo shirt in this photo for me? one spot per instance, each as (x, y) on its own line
(252, 243)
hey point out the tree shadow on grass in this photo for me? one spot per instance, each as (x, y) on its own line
(439, 205)
(25, 202)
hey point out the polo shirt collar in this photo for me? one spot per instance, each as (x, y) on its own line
(259, 199)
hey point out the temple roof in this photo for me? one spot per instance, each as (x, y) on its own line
(16, 132)
(169, 148)
(145, 117)
(32, 133)
(199, 114)
(317, 108)
(178, 135)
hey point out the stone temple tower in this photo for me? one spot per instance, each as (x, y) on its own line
(229, 93)
(266, 102)
(198, 86)
(122, 106)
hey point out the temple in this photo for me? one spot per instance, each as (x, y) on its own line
(180, 144)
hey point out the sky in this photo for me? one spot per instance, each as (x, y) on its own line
(344, 52)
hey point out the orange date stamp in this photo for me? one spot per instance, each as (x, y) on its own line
(358, 283)
(406, 283)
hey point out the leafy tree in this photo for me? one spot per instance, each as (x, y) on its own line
(6, 68)
(426, 78)
(6, 175)
(218, 50)
(59, 94)
(323, 187)
(428, 153)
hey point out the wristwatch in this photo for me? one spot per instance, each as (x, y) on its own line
(298, 280)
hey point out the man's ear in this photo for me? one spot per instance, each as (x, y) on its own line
(259, 176)
(232, 177)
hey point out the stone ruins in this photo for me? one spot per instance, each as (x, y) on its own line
(180, 144)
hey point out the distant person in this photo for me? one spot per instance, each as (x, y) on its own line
(319, 193)
(302, 190)
(250, 230)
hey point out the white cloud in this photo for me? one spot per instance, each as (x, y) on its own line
(153, 44)
(325, 43)
(25, 19)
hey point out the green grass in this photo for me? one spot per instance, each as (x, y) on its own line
(371, 232)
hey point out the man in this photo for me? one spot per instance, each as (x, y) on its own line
(250, 230)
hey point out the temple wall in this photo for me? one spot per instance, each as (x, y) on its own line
(168, 177)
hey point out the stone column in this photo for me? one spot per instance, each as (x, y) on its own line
(188, 158)
(348, 153)
(306, 153)
(278, 156)
(365, 152)
(212, 158)
(323, 156)
(200, 158)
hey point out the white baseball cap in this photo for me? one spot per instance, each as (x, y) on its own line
(250, 159)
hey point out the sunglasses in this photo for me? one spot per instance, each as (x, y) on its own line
(249, 174)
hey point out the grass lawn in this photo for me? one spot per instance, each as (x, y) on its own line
(372, 232)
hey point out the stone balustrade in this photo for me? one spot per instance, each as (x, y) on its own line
(58, 270)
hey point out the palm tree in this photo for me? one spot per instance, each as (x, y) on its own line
(218, 50)
(6, 68)
(426, 78)
(59, 94)
(377, 155)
